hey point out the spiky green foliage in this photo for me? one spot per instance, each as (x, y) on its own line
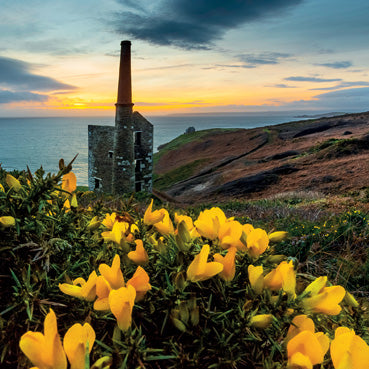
(179, 324)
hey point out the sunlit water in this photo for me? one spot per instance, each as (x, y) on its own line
(43, 141)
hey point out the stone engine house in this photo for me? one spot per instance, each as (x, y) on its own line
(120, 157)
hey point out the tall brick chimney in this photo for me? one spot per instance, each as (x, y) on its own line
(123, 174)
(125, 84)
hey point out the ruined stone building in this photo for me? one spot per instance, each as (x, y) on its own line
(120, 156)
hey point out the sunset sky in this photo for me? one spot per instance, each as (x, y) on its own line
(61, 57)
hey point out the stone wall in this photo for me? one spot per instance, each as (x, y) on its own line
(143, 136)
(132, 152)
(123, 176)
(100, 157)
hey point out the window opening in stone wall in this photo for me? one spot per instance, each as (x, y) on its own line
(138, 186)
(138, 138)
(138, 166)
(110, 154)
(97, 183)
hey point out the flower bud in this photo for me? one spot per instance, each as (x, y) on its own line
(178, 324)
(261, 321)
(350, 300)
(184, 313)
(74, 202)
(7, 221)
(195, 316)
(13, 182)
(180, 280)
(277, 236)
(183, 232)
(275, 259)
(103, 363)
(93, 224)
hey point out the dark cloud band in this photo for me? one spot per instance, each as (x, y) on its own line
(7, 96)
(17, 74)
(194, 24)
(336, 65)
(311, 79)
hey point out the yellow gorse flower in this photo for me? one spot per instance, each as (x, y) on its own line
(153, 217)
(257, 242)
(247, 228)
(229, 235)
(109, 220)
(256, 278)
(200, 269)
(323, 299)
(75, 344)
(140, 282)
(307, 349)
(66, 205)
(113, 275)
(45, 350)
(299, 324)
(165, 226)
(326, 302)
(80, 288)
(209, 222)
(111, 291)
(139, 256)
(70, 203)
(13, 182)
(103, 289)
(121, 303)
(120, 233)
(2, 188)
(228, 262)
(282, 277)
(112, 279)
(348, 350)
(69, 182)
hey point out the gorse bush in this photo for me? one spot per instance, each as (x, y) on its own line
(132, 287)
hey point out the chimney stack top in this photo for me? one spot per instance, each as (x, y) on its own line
(124, 84)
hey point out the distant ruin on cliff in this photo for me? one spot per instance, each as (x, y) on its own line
(120, 157)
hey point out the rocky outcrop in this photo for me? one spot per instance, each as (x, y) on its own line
(255, 183)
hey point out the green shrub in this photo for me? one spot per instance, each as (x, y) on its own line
(190, 318)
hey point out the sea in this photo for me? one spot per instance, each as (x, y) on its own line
(43, 141)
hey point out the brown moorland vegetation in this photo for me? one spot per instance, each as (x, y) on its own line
(327, 155)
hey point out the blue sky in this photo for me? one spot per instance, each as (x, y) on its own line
(61, 57)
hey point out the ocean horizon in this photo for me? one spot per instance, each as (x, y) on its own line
(42, 141)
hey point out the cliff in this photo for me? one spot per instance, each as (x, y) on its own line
(327, 155)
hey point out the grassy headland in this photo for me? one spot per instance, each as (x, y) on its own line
(327, 155)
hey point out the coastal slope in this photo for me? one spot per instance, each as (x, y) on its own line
(327, 155)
